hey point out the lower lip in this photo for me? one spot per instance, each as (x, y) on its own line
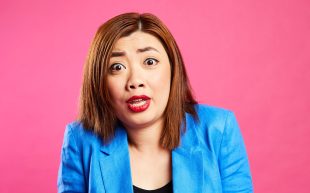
(141, 108)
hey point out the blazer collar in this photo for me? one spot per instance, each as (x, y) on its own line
(187, 163)
(115, 164)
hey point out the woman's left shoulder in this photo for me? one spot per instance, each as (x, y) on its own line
(212, 124)
(219, 137)
(211, 110)
(212, 115)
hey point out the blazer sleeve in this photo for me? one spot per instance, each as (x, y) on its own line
(233, 160)
(70, 173)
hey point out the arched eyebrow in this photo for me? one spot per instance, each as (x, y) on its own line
(149, 48)
(140, 50)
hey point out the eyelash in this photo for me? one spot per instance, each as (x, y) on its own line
(113, 66)
(152, 59)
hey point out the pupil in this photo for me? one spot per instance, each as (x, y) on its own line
(118, 67)
(150, 62)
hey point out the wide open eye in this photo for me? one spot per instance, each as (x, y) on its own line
(151, 61)
(117, 67)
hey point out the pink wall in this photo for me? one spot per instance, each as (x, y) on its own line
(249, 56)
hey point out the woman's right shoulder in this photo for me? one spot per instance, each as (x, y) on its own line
(76, 133)
(77, 129)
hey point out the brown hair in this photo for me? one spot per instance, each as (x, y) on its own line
(96, 112)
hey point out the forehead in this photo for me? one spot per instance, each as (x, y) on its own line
(138, 40)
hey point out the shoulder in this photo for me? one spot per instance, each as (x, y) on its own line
(211, 116)
(211, 111)
(211, 127)
(77, 130)
(79, 136)
(79, 147)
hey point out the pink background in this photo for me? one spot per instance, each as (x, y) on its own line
(251, 57)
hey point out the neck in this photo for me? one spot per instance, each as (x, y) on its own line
(145, 139)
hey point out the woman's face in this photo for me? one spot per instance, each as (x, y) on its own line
(139, 80)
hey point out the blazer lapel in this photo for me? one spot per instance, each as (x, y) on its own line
(187, 163)
(115, 164)
(187, 171)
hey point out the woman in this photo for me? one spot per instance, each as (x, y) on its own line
(139, 127)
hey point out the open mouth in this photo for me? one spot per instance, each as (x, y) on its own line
(138, 103)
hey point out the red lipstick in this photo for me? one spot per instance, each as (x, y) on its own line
(138, 103)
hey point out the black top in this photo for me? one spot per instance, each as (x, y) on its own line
(165, 189)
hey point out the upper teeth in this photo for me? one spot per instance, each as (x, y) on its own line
(137, 100)
(137, 103)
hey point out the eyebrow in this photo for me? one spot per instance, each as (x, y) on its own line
(149, 48)
(140, 50)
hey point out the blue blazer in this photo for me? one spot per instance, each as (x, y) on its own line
(210, 159)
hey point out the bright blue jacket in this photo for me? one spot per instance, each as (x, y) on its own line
(211, 158)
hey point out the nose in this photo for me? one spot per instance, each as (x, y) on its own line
(134, 86)
(135, 79)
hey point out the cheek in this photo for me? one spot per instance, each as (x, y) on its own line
(162, 82)
(114, 88)
(166, 76)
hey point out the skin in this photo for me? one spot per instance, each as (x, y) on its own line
(135, 70)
